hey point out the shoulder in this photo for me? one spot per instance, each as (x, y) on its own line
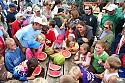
(112, 79)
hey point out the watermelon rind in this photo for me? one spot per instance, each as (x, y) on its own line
(48, 52)
(60, 73)
(43, 58)
(54, 55)
(36, 70)
(58, 67)
(59, 60)
(67, 56)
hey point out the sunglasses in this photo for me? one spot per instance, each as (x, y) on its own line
(87, 9)
(106, 27)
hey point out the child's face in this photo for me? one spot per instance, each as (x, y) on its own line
(42, 41)
(70, 30)
(12, 46)
(99, 49)
(106, 65)
(83, 50)
(71, 44)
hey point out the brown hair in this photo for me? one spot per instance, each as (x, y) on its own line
(123, 7)
(75, 14)
(66, 79)
(102, 43)
(69, 39)
(85, 45)
(52, 23)
(81, 23)
(114, 62)
(110, 23)
(71, 26)
(90, 6)
(45, 28)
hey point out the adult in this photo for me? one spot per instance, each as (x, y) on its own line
(29, 32)
(106, 35)
(118, 45)
(83, 33)
(111, 16)
(11, 16)
(89, 18)
(16, 25)
(47, 11)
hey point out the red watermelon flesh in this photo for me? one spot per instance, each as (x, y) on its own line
(66, 53)
(37, 70)
(54, 73)
(42, 56)
(54, 67)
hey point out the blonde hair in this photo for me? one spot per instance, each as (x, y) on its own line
(8, 41)
(110, 23)
(75, 71)
(40, 37)
(66, 79)
(85, 45)
(114, 62)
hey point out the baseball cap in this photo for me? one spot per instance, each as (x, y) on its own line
(33, 44)
(36, 9)
(42, 21)
(111, 7)
(18, 15)
(60, 38)
(29, 8)
(12, 5)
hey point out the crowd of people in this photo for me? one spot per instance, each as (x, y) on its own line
(97, 42)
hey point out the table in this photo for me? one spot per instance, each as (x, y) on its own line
(64, 69)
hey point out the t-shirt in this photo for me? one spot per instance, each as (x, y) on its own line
(88, 76)
(121, 72)
(59, 46)
(25, 34)
(95, 63)
(75, 47)
(50, 37)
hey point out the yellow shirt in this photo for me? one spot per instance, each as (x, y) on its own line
(75, 47)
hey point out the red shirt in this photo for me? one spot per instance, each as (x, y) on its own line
(67, 33)
(2, 47)
(15, 27)
(50, 37)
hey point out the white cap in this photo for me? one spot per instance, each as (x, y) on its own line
(112, 7)
(35, 9)
(40, 20)
(18, 15)
(29, 8)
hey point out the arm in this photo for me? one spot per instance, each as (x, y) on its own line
(5, 33)
(63, 24)
(88, 60)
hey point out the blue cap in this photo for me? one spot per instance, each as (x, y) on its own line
(33, 44)
(12, 5)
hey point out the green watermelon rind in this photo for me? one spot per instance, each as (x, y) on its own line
(37, 70)
(67, 56)
(53, 68)
(53, 75)
(48, 52)
(54, 55)
(59, 62)
(43, 58)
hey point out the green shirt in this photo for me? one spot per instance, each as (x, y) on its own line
(95, 64)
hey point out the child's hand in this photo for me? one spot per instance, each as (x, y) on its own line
(76, 57)
(85, 39)
(9, 75)
(77, 62)
(99, 61)
(101, 76)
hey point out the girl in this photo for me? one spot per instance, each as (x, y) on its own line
(13, 55)
(110, 74)
(71, 45)
(24, 71)
(99, 58)
(70, 31)
(83, 56)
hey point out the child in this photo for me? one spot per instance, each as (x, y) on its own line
(70, 31)
(33, 50)
(99, 59)
(83, 56)
(66, 79)
(59, 43)
(13, 55)
(4, 75)
(111, 73)
(78, 73)
(71, 45)
(24, 71)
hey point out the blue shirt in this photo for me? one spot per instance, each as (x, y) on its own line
(13, 59)
(121, 72)
(25, 34)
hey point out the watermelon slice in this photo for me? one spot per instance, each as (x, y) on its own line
(42, 56)
(54, 67)
(66, 53)
(37, 70)
(54, 73)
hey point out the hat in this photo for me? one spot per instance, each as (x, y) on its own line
(18, 15)
(42, 21)
(33, 44)
(12, 5)
(60, 38)
(35, 9)
(111, 7)
(29, 8)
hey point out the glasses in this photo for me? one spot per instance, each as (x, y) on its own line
(87, 9)
(106, 27)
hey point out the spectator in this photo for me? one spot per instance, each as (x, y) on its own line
(13, 55)
(66, 79)
(24, 35)
(90, 19)
(16, 25)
